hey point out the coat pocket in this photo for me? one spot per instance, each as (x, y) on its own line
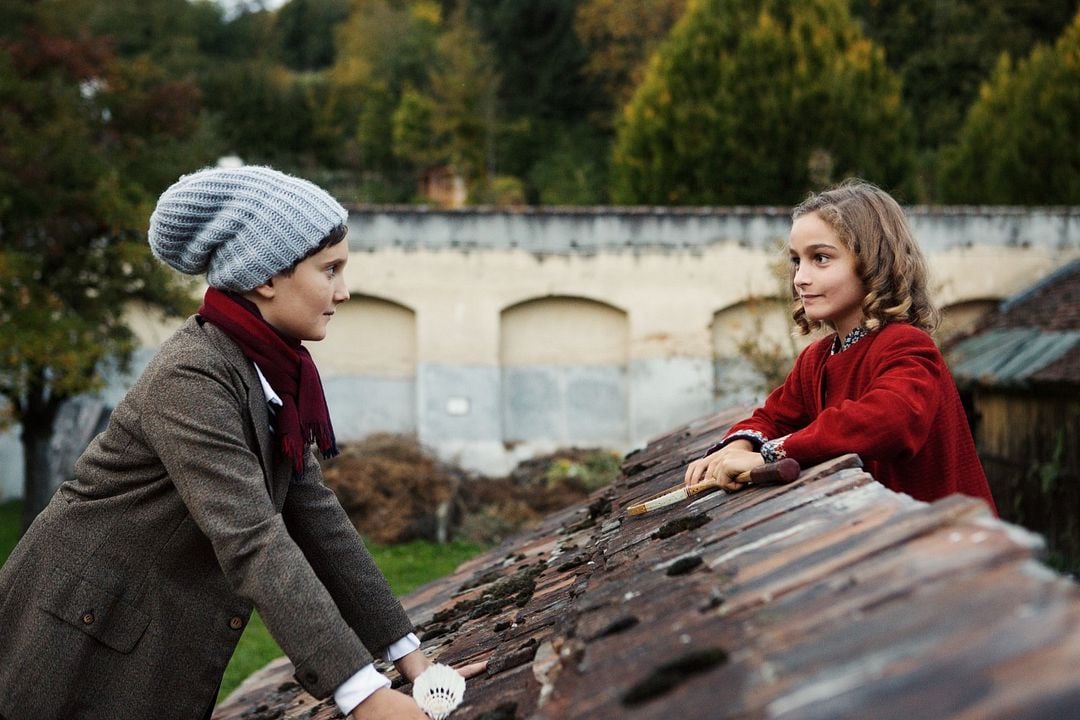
(98, 612)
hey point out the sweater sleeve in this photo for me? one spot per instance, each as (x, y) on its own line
(891, 416)
(785, 408)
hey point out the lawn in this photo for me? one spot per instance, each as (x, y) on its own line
(406, 566)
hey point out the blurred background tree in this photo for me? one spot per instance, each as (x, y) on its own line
(619, 37)
(87, 140)
(383, 49)
(944, 50)
(551, 97)
(749, 99)
(1019, 141)
(544, 98)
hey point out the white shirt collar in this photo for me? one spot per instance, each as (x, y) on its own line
(271, 396)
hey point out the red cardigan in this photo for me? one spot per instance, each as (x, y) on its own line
(891, 399)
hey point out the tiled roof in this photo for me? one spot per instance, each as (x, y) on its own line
(831, 597)
(1032, 338)
(1051, 304)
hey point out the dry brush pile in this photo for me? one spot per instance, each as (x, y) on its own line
(395, 491)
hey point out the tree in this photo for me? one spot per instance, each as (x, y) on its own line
(549, 108)
(305, 31)
(464, 84)
(620, 36)
(539, 57)
(383, 48)
(1020, 142)
(760, 101)
(944, 49)
(86, 143)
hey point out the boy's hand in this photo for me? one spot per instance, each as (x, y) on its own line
(387, 704)
(472, 669)
(410, 666)
(709, 466)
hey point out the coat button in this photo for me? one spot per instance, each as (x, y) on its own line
(236, 623)
(88, 617)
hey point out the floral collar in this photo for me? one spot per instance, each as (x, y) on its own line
(857, 334)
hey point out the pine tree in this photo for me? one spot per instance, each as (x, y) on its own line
(759, 101)
(1020, 143)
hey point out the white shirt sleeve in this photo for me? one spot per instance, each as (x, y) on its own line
(402, 647)
(360, 686)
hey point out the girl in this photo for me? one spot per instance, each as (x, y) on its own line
(202, 499)
(877, 385)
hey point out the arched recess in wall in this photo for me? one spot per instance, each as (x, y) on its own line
(564, 372)
(962, 317)
(753, 349)
(368, 367)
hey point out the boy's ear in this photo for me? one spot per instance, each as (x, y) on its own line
(266, 290)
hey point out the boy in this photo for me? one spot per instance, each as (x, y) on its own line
(203, 499)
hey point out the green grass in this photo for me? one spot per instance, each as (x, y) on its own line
(406, 567)
(10, 528)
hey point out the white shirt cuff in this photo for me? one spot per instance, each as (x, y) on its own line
(401, 648)
(358, 688)
(367, 680)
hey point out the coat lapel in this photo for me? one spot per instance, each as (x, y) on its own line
(276, 474)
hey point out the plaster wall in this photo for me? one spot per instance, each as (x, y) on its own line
(497, 334)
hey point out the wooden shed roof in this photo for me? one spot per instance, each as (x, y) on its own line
(831, 597)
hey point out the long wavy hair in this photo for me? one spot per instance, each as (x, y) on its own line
(873, 227)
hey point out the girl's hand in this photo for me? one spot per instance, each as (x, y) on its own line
(733, 464)
(708, 466)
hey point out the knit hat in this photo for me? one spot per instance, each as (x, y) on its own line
(240, 226)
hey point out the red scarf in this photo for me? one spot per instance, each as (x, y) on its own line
(287, 366)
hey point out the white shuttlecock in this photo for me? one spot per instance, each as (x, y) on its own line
(438, 691)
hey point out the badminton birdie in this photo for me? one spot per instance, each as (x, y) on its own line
(438, 691)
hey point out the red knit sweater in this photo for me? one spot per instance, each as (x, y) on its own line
(891, 399)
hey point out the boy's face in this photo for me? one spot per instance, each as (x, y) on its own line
(825, 274)
(301, 304)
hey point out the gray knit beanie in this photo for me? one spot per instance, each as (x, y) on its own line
(240, 226)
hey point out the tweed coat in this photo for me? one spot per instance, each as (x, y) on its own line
(127, 595)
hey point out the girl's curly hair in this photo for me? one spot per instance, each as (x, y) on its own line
(872, 225)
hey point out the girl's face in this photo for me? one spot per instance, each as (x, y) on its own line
(301, 304)
(825, 275)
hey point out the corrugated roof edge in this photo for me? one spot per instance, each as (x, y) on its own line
(1008, 356)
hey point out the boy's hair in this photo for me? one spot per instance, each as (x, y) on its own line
(336, 235)
(872, 225)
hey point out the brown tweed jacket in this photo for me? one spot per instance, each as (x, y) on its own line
(127, 595)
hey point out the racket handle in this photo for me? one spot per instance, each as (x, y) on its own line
(777, 473)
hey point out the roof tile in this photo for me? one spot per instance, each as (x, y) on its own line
(829, 597)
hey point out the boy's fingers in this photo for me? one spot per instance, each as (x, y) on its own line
(472, 669)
